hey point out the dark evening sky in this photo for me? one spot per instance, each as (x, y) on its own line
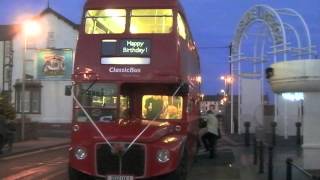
(213, 23)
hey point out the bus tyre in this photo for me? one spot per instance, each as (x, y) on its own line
(181, 172)
(76, 175)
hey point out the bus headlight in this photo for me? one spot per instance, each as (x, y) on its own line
(163, 155)
(80, 153)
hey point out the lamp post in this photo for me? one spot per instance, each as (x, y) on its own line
(227, 83)
(30, 28)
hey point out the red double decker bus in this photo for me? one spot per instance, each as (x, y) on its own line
(136, 92)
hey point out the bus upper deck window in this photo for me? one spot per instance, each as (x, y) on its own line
(181, 27)
(151, 21)
(107, 21)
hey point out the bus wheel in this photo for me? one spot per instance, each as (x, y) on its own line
(76, 175)
(181, 172)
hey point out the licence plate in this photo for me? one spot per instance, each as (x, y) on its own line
(119, 177)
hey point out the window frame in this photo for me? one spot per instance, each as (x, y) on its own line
(29, 68)
(51, 36)
(91, 108)
(184, 25)
(164, 105)
(32, 91)
(130, 20)
(187, 28)
(85, 17)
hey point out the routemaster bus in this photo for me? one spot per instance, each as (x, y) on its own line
(136, 91)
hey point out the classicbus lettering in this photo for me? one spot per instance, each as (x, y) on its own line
(124, 70)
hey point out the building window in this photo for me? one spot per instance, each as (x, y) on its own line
(29, 69)
(50, 40)
(7, 74)
(32, 102)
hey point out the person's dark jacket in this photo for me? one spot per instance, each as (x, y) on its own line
(7, 131)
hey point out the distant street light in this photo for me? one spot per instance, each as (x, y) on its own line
(228, 80)
(30, 28)
(202, 96)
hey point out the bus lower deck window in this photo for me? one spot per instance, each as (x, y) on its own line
(161, 107)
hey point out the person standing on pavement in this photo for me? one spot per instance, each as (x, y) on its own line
(210, 138)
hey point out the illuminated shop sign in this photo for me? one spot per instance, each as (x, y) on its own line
(54, 64)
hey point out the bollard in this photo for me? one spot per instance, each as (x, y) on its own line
(255, 152)
(261, 157)
(273, 127)
(298, 125)
(247, 133)
(270, 164)
(289, 169)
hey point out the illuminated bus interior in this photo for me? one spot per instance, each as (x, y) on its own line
(101, 102)
(182, 30)
(108, 21)
(161, 107)
(151, 21)
(142, 21)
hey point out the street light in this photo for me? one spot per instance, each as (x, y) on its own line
(228, 80)
(223, 92)
(30, 28)
(202, 96)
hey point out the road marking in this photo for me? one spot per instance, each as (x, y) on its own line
(51, 162)
(34, 152)
(58, 173)
(26, 173)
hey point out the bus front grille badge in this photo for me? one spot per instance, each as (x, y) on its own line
(118, 148)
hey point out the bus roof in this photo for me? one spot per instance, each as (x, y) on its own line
(98, 4)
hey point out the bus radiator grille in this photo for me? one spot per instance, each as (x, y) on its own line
(133, 162)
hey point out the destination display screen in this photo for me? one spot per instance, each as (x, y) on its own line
(126, 48)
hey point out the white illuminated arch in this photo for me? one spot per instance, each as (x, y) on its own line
(287, 42)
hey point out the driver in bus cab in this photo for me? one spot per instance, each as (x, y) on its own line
(154, 106)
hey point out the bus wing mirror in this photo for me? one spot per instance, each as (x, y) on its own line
(67, 90)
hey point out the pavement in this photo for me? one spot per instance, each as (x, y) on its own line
(234, 160)
(41, 143)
